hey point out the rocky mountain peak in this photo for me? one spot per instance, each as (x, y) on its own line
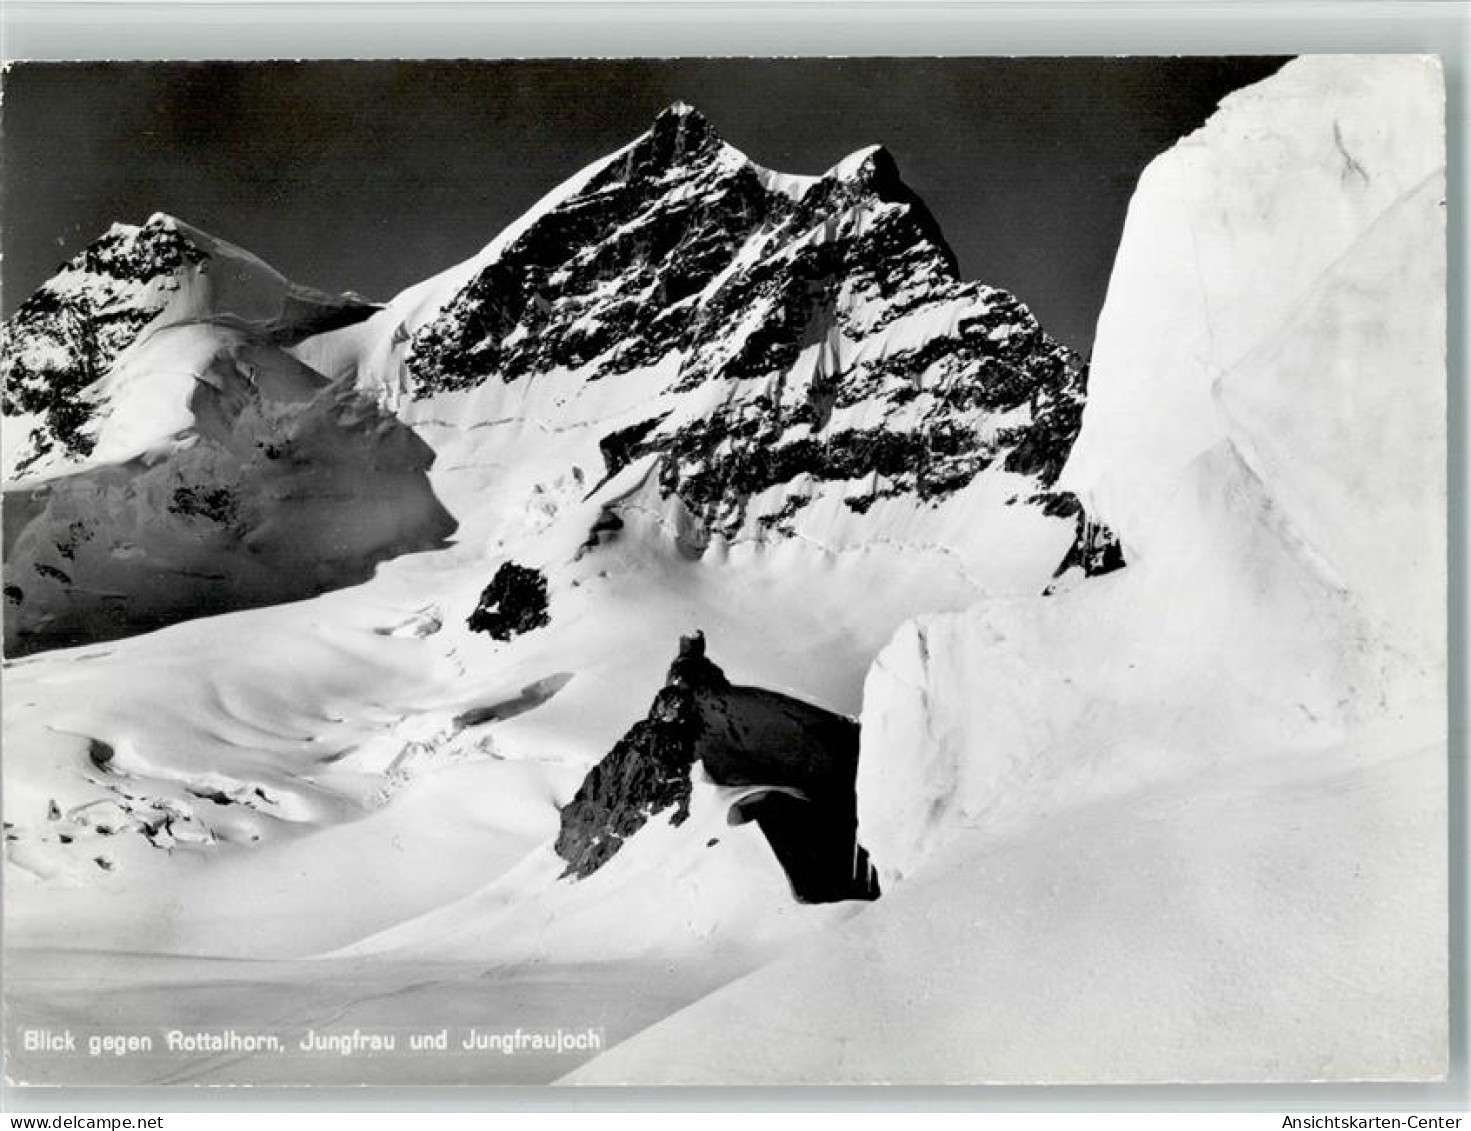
(806, 331)
(791, 764)
(873, 173)
(872, 169)
(678, 132)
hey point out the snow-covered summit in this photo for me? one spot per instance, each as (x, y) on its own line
(770, 340)
(174, 457)
(64, 341)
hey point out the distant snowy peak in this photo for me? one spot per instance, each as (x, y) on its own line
(65, 338)
(66, 335)
(177, 459)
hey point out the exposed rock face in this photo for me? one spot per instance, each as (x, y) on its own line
(65, 336)
(814, 331)
(514, 602)
(646, 772)
(1096, 550)
(800, 759)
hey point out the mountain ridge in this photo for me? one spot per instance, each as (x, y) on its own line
(779, 354)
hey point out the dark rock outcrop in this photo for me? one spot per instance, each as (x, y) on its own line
(620, 447)
(513, 603)
(795, 763)
(1095, 550)
(816, 845)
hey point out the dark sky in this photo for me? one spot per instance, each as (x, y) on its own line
(371, 176)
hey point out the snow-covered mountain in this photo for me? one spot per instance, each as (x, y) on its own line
(175, 459)
(676, 332)
(743, 350)
(424, 566)
(90, 361)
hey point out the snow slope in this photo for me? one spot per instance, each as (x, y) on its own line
(275, 486)
(1186, 821)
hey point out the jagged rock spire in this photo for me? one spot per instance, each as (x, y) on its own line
(679, 134)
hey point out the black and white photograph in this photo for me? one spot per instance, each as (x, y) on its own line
(725, 571)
